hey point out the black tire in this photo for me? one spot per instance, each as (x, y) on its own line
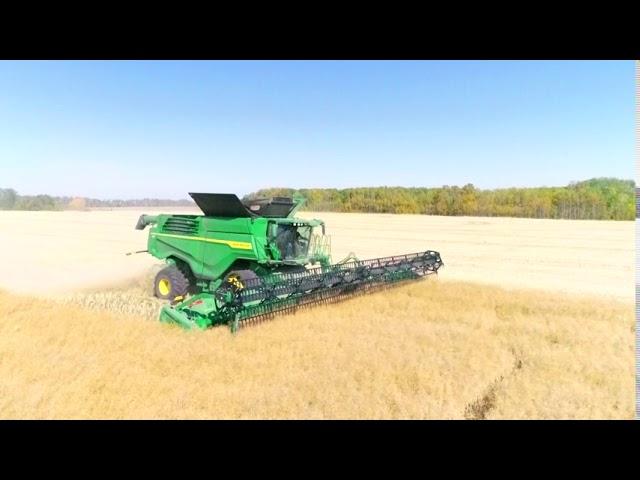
(243, 275)
(170, 283)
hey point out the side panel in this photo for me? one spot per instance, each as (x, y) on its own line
(211, 247)
(163, 244)
(228, 240)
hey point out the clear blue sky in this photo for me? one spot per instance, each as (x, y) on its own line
(160, 129)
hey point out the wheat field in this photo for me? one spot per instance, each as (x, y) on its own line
(547, 332)
(59, 252)
(434, 349)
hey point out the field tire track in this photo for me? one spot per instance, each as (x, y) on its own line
(481, 407)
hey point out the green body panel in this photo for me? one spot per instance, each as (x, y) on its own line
(199, 307)
(210, 246)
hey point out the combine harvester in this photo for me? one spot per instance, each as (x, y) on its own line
(242, 262)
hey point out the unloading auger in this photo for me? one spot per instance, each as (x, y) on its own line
(242, 262)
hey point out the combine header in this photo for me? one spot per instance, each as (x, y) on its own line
(241, 262)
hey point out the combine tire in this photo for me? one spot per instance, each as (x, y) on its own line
(170, 283)
(242, 275)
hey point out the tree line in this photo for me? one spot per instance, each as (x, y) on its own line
(597, 198)
(11, 200)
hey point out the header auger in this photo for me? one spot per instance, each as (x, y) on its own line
(242, 262)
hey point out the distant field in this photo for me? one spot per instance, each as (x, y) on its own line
(550, 334)
(58, 252)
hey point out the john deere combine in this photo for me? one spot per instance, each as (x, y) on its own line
(240, 262)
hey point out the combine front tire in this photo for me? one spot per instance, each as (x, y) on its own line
(170, 283)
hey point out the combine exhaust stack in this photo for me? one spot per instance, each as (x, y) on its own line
(242, 262)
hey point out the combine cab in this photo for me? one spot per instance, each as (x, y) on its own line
(240, 262)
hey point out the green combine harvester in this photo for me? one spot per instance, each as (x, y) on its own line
(243, 262)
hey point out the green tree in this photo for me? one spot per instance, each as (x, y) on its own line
(8, 198)
(598, 198)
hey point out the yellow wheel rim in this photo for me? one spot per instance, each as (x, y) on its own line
(164, 286)
(235, 281)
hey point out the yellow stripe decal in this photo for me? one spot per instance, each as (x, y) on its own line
(231, 243)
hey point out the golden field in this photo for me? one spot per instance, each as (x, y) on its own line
(434, 349)
(58, 252)
(528, 319)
